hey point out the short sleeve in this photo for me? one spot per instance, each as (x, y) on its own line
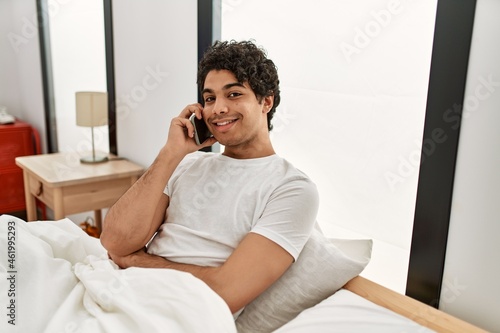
(290, 215)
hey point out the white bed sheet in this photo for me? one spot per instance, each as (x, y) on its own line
(344, 312)
(61, 280)
(64, 282)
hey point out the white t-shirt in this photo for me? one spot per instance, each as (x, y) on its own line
(216, 200)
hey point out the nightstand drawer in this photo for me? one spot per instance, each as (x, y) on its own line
(40, 191)
(91, 196)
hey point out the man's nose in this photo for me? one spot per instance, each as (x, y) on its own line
(220, 107)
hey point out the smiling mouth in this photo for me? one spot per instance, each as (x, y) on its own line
(224, 123)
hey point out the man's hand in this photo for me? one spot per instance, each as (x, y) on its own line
(143, 259)
(129, 260)
(181, 132)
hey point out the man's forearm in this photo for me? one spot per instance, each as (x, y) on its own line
(210, 275)
(253, 266)
(134, 218)
(146, 260)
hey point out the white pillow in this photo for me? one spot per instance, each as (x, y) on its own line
(321, 269)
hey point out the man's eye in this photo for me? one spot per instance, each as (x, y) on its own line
(234, 94)
(209, 99)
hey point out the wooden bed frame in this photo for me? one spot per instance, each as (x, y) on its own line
(417, 311)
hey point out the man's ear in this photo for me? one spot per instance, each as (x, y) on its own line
(268, 103)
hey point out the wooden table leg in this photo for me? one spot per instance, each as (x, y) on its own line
(30, 199)
(58, 204)
(98, 219)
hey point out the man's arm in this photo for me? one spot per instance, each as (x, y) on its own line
(135, 217)
(257, 262)
(254, 265)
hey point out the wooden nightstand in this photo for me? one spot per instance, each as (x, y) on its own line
(68, 186)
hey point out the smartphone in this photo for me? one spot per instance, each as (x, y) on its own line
(201, 132)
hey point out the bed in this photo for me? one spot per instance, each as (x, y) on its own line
(59, 279)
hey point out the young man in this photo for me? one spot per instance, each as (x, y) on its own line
(236, 220)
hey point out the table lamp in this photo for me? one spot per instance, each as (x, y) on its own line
(92, 111)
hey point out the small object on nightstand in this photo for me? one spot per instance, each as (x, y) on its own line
(92, 111)
(6, 118)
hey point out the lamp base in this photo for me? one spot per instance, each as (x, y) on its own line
(93, 159)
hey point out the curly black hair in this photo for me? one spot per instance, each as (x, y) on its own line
(249, 63)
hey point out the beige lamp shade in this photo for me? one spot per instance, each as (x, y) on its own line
(91, 108)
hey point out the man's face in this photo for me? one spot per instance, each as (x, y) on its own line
(233, 113)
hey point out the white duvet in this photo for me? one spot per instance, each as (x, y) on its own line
(56, 278)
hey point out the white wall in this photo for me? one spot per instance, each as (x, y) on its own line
(9, 78)
(20, 70)
(354, 78)
(472, 269)
(156, 65)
